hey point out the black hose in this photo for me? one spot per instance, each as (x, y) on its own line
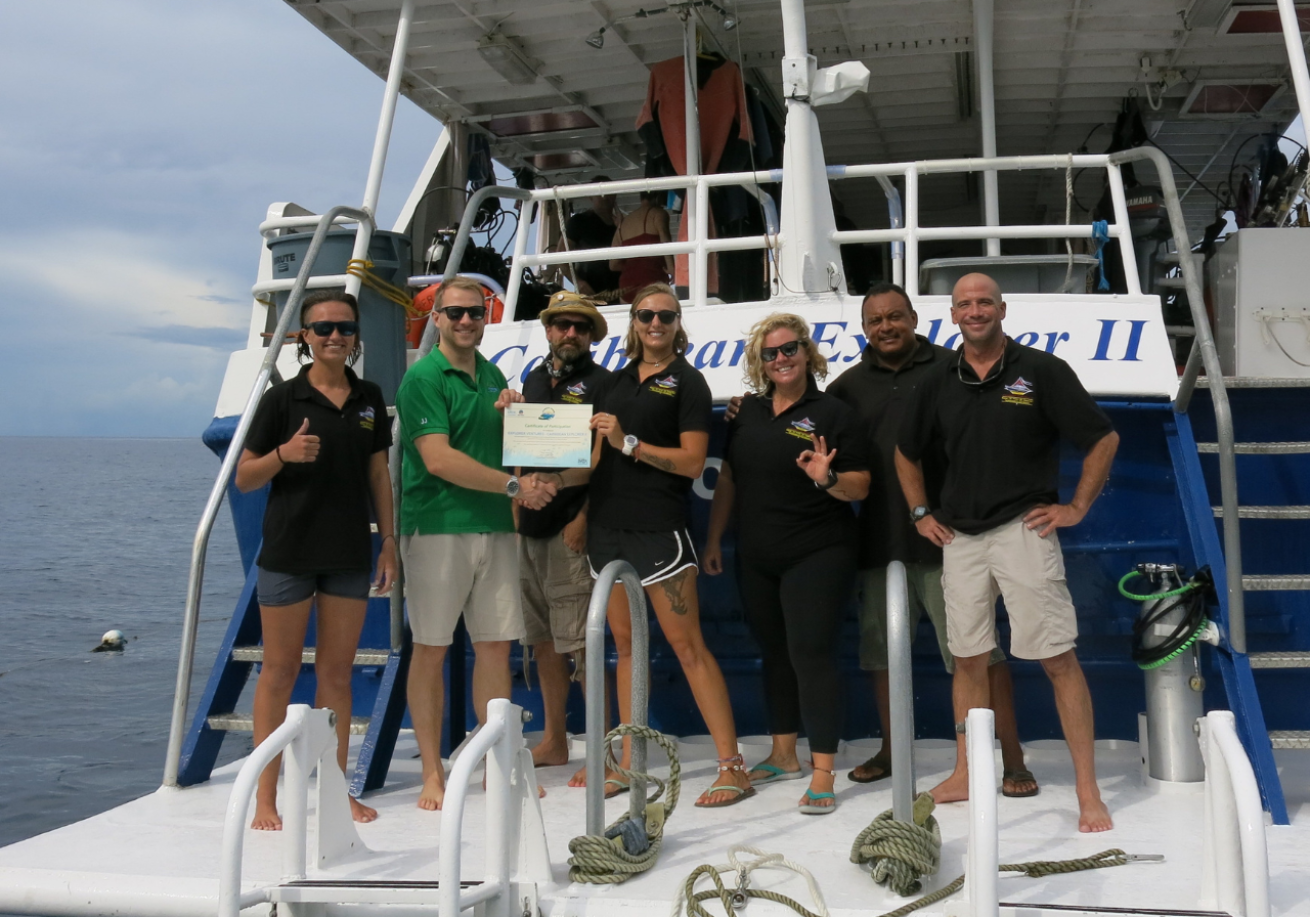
(1191, 598)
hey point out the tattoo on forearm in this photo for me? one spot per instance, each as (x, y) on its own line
(659, 462)
(673, 591)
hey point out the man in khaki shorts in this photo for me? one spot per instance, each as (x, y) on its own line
(457, 527)
(553, 540)
(1000, 409)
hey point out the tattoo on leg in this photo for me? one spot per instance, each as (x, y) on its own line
(673, 591)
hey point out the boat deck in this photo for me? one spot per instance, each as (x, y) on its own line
(167, 844)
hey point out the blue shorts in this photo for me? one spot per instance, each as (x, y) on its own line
(290, 588)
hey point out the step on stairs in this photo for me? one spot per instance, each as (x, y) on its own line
(1278, 659)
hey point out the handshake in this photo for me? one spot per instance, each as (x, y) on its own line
(536, 489)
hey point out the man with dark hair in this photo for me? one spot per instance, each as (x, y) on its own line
(594, 228)
(879, 388)
(999, 410)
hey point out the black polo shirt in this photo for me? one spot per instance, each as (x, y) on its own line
(781, 515)
(880, 397)
(318, 514)
(634, 495)
(1001, 434)
(585, 380)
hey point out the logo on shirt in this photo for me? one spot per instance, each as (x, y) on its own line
(802, 429)
(666, 386)
(573, 393)
(1020, 392)
(366, 418)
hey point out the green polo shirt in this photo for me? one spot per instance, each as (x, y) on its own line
(434, 397)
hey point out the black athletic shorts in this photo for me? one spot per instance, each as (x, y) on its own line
(655, 555)
(275, 589)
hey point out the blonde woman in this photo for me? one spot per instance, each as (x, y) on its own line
(654, 425)
(793, 463)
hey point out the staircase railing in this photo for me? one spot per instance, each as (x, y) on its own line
(200, 545)
(1235, 859)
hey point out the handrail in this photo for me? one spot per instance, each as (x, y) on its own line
(1205, 354)
(490, 738)
(982, 856)
(1235, 860)
(200, 545)
(900, 672)
(615, 571)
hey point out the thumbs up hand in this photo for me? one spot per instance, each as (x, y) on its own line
(301, 447)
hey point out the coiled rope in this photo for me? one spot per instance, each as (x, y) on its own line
(628, 847)
(358, 267)
(901, 853)
(764, 860)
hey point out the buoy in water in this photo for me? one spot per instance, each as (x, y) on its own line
(111, 641)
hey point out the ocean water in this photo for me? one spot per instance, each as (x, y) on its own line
(96, 534)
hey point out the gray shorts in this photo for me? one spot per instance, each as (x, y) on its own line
(924, 583)
(556, 593)
(276, 589)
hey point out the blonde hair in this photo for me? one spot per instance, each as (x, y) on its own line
(815, 362)
(632, 347)
(459, 282)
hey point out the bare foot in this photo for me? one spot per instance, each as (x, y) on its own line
(362, 813)
(434, 792)
(1093, 816)
(820, 782)
(876, 768)
(954, 788)
(266, 817)
(710, 798)
(550, 755)
(1018, 784)
(611, 789)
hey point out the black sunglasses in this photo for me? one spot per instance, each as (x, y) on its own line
(325, 329)
(646, 316)
(455, 313)
(581, 326)
(769, 354)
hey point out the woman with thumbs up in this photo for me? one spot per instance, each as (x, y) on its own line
(321, 441)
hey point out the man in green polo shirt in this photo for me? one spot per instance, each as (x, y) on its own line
(457, 527)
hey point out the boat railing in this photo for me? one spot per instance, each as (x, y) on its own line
(1235, 858)
(982, 855)
(200, 544)
(900, 673)
(616, 571)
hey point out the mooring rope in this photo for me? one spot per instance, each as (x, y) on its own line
(763, 860)
(629, 847)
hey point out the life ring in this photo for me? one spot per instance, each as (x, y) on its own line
(422, 309)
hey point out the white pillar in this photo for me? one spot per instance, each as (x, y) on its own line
(983, 21)
(1296, 59)
(691, 165)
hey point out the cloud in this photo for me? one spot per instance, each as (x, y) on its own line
(223, 339)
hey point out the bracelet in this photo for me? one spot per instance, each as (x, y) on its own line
(277, 450)
(385, 537)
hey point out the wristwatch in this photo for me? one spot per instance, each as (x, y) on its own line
(630, 443)
(918, 513)
(512, 487)
(828, 484)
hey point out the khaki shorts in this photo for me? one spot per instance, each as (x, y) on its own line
(1015, 562)
(924, 584)
(474, 574)
(556, 592)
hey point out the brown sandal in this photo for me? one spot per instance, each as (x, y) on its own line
(735, 763)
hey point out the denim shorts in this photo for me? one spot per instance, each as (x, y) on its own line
(289, 588)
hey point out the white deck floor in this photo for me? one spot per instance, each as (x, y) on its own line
(168, 843)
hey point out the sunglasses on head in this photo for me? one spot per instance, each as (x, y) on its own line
(456, 313)
(580, 325)
(769, 354)
(325, 329)
(646, 316)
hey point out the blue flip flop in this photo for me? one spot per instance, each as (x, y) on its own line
(807, 809)
(775, 774)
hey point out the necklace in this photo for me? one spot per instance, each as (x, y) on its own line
(654, 362)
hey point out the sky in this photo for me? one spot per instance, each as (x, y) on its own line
(141, 142)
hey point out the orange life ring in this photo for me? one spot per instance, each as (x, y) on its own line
(423, 302)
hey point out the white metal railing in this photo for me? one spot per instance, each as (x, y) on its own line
(900, 673)
(1235, 858)
(982, 856)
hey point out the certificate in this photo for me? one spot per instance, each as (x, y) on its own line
(547, 435)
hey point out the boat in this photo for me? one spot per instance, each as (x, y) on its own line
(955, 136)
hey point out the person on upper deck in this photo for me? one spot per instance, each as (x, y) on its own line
(595, 228)
(457, 527)
(321, 439)
(999, 411)
(793, 463)
(879, 387)
(654, 425)
(647, 225)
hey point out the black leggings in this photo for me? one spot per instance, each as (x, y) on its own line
(795, 612)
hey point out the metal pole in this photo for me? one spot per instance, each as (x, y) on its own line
(691, 166)
(981, 861)
(902, 692)
(1296, 60)
(615, 571)
(983, 18)
(896, 217)
(377, 164)
(200, 544)
(911, 269)
(1132, 274)
(398, 587)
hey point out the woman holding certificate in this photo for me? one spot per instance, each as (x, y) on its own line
(654, 425)
(792, 465)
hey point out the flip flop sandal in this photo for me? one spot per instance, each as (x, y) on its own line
(775, 774)
(885, 768)
(735, 763)
(807, 809)
(1020, 776)
(621, 787)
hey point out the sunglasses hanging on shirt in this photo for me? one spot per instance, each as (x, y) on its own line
(790, 349)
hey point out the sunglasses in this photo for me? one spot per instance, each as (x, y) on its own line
(646, 316)
(325, 329)
(790, 349)
(456, 313)
(581, 326)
